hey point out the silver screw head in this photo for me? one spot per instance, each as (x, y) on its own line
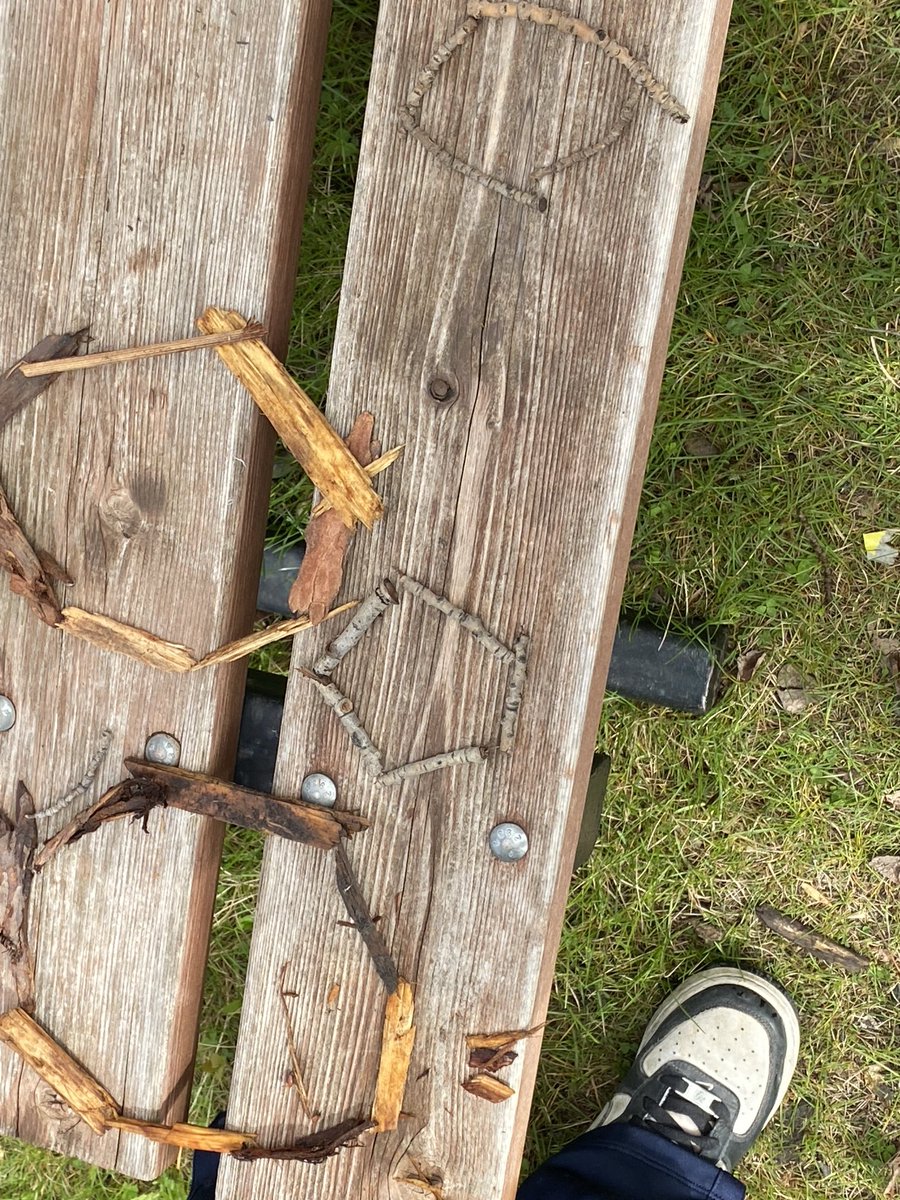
(164, 749)
(7, 714)
(508, 842)
(319, 789)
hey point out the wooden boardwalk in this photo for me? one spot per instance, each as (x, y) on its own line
(524, 199)
(153, 161)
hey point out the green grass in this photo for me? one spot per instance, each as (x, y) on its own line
(785, 355)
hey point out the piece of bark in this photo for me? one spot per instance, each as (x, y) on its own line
(56, 1067)
(223, 801)
(372, 469)
(35, 368)
(328, 538)
(186, 1137)
(314, 1147)
(245, 646)
(17, 390)
(356, 906)
(488, 1087)
(396, 1052)
(109, 634)
(491, 1060)
(810, 941)
(135, 798)
(18, 840)
(301, 426)
(27, 567)
(500, 1041)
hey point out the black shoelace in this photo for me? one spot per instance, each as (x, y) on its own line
(659, 1110)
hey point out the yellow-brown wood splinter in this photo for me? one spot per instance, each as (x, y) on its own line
(396, 1053)
(301, 425)
(92, 1102)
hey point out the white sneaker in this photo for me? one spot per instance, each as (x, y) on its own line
(713, 1065)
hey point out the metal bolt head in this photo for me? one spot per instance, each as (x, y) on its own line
(319, 789)
(7, 714)
(164, 749)
(508, 842)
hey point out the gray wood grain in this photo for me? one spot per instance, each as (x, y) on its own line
(517, 501)
(153, 160)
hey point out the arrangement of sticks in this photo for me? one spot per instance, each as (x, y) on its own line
(343, 473)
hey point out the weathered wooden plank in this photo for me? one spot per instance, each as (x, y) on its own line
(518, 354)
(153, 160)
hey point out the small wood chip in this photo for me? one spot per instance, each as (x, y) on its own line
(17, 390)
(328, 539)
(488, 1087)
(808, 940)
(300, 424)
(500, 1041)
(396, 1052)
(888, 866)
(58, 1068)
(491, 1060)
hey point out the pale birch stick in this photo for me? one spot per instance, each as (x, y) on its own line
(426, 766)
(479, 631)
(368, 612)
(84, 783)
(609, 139)
(343, 708)
(639, 70)
(510, 717)
(104, 358)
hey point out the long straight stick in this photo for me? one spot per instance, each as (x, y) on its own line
(81, 362)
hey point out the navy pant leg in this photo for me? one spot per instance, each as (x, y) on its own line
(628, 1162)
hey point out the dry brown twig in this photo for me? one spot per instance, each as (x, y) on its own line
(293, 1053)
(30, 368)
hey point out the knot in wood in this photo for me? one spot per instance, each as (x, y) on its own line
(52, 1107)
(121, 514)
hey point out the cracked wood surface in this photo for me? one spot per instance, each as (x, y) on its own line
(547, 334)
(153, 160)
